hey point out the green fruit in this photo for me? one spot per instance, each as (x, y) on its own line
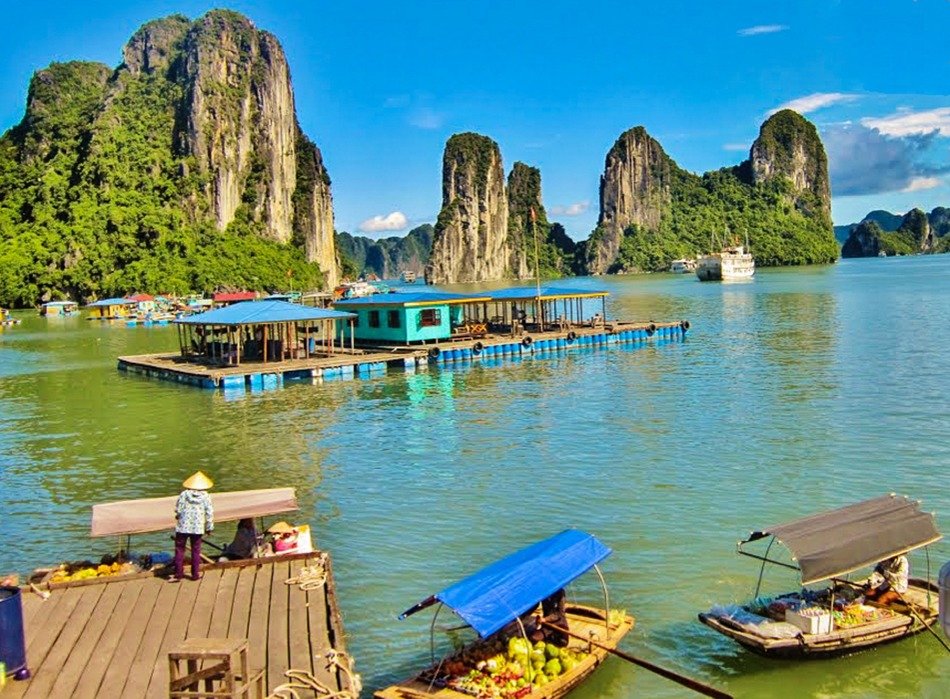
(552, 651)
(552, 668)
(538, 656)
(539, 680)
(567, 662)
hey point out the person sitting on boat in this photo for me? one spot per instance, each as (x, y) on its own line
(244, 544)
(888, 581)
(285, 538)
(554, 614)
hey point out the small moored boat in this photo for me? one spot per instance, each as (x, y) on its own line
(494, 602)
(683, 266)
(409, 277)
(835, 621)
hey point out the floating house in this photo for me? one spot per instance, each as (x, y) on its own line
(144, 303)
(111, 309)
(59, 308)
(259, 331)
(407, 318)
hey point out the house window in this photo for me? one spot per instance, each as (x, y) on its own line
(374, 319)
(394, 319)
(430, 318)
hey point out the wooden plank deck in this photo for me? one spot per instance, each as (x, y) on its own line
(111, 637)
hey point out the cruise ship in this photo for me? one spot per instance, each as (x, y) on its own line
(731, 264)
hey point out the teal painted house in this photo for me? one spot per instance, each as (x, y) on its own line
(406, 318)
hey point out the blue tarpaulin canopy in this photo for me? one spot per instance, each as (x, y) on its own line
(547, 293)
(508, 588)
(253, 312)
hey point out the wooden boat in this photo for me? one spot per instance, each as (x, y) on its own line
(485, 601)
(826, 546)
(7, 319)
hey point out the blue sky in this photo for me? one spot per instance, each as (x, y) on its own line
(380, 87)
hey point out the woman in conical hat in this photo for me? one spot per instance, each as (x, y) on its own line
(194, 517)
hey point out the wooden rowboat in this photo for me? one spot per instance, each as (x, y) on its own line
(499, 602)
(840, 641)
(583, 620)
(826, 547)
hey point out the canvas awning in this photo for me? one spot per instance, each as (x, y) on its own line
(508, 588)
(157, 514)
(839, 541)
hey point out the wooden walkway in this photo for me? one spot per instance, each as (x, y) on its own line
(111, 638)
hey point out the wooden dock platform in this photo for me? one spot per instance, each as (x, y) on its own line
(110, 637)
(369, 362)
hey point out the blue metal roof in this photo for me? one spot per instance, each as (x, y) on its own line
(60, 303)
(411, 299)
(508, 588)
(112, 302)
(249, 312)
(528, 293)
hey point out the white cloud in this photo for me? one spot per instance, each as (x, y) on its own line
(920, 183)
(396, 221)
(571, 209)
(815, 101)
(426, 118)
(762, 29)
(735, 146)
(909, 123)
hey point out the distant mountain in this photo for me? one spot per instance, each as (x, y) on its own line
(387, 258)
(914, 235)
(885, 220)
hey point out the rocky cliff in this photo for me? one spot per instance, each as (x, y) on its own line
(914, 235)
(195, 132)
(470, 240)
(387, 258)
(864, 241)
(634, 191)
(652, 211)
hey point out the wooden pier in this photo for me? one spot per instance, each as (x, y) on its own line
(371, 361)
(110, 637)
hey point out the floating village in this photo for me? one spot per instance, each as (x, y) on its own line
(261, 618)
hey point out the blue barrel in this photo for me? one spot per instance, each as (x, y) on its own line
(453, 355)
(561, 343)
(12, 643)
(466, 354)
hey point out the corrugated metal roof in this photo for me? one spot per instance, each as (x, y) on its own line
(250, 312)
(234, 296)
(60, 303)
(112, 302)
(528, 293)
(412, 299)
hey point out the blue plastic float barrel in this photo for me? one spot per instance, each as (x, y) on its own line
(12, 642)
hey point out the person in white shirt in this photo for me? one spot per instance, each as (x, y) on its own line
(888, 581)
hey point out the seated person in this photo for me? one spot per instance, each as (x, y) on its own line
(244, 544)
(888, 581)
(285, 538)
(554, 612)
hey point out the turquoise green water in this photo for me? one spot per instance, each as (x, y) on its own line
(805, 389)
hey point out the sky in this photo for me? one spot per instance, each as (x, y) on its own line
(381, 86)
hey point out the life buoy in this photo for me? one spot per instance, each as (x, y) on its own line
(684, 324)
(527, 341)
(434, 352)
(571, 336)
(651, 328)
(477, 348)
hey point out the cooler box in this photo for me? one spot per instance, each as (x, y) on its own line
(811, 620)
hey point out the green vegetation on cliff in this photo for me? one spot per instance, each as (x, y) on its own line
(545, 246)
(97, 200)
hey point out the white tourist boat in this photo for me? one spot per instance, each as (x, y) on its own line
(733, 263)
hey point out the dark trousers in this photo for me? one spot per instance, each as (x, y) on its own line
(180, 540)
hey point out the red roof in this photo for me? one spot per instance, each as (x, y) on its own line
(141, 297)
(230, 296)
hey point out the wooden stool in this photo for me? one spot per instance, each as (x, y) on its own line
(212, 661)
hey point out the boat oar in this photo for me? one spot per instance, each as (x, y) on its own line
(689, 682)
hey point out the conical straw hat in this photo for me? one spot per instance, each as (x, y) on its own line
(280, 528)
(199, 481)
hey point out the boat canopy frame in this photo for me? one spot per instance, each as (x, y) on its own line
(502, 592)
(836, 542)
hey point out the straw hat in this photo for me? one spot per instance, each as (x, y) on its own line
(280, 528)
(198, 481)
